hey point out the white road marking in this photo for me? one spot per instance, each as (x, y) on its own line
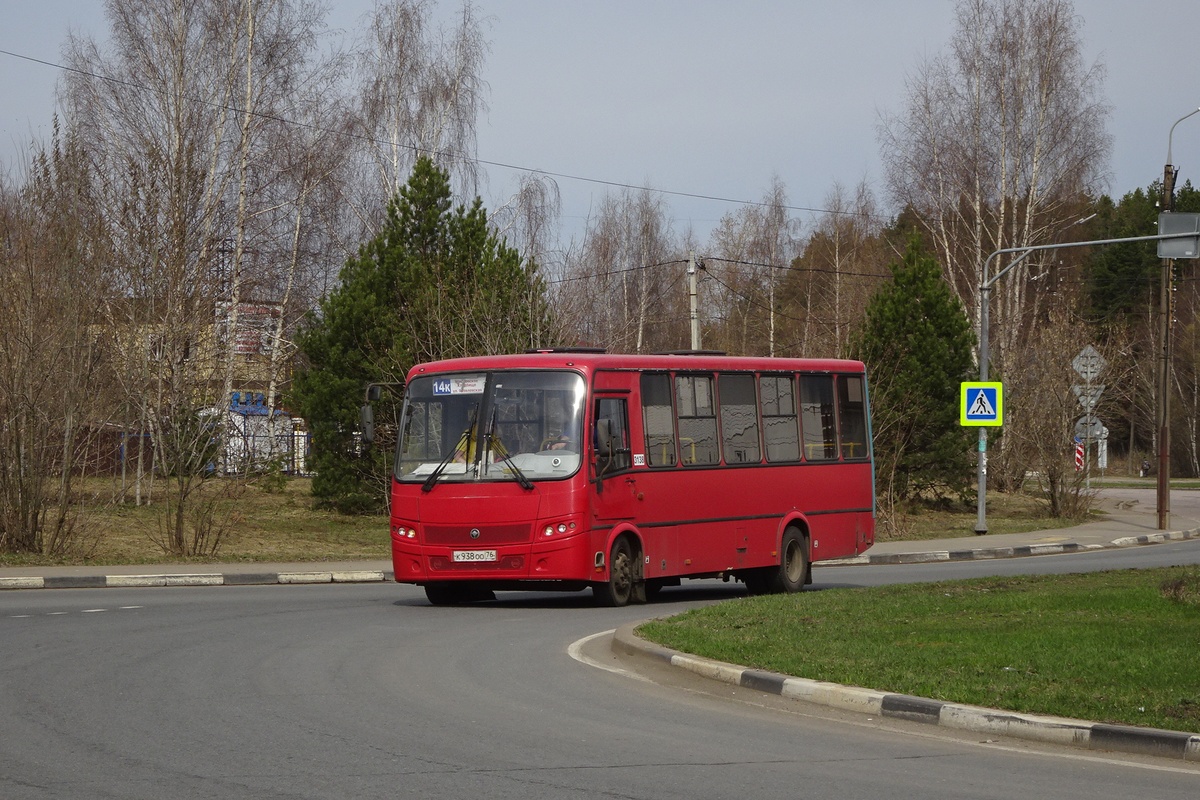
(575, 651)
(80, 611)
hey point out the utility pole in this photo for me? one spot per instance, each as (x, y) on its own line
(692, 300)
(1163, 373)
(1166, 312)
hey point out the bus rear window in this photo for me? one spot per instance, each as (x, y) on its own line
(852, 416)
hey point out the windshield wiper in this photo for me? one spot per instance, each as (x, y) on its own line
(512, 465)
(465, 438)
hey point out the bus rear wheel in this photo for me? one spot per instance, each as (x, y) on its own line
(624, 584)
(790, 575)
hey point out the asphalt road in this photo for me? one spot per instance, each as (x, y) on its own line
(364, 690)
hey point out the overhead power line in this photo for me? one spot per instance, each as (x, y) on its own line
(444, 153)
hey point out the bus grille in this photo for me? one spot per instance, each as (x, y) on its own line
(460, 535)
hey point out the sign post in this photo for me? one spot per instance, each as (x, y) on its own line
(1088, 428)
(981, 405)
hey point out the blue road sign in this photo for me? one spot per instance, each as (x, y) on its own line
(981, 403)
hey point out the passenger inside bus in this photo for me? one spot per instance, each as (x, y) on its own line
(467, 447)
(464, 450)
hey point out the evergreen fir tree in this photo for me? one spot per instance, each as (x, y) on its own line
(917, 344)
(435, 282)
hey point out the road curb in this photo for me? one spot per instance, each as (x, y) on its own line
(1052, 730)
(194, 579)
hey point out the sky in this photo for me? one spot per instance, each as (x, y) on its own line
(705, 98)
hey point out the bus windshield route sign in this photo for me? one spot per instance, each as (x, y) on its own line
(981, 403)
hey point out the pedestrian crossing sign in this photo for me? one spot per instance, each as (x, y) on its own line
(981, 403)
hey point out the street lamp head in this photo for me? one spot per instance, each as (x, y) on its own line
(1172, 133)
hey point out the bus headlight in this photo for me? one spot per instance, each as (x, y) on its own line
(559, 528)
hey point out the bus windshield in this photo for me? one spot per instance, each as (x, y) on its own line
(519, 425)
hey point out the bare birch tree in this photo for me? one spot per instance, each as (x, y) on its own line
(996, 144)
(625, 285)
(421, 94)
(153, 108)
(751, 249)
(311, 159)
(843, 262)
(52, 381)
(529, 219)
(278, 74)
(181, 113)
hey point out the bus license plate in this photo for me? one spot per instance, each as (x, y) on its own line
(474, 555)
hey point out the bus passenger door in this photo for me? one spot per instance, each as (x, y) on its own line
(615, 486)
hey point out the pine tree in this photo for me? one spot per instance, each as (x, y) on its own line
(917, 344)
(435, 282)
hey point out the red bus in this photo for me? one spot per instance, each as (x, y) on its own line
(568, 469)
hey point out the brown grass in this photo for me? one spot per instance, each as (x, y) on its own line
(256, 525)
(1006, 513)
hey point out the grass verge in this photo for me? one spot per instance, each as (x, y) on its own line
(1116, 647)
(1006, 513)
(256, 524)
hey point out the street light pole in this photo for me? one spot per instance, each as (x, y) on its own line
(985, 296)
(985, 291)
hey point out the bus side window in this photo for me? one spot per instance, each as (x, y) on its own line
(739, 418)
(817, 417)
(852, 418)
(612, 435)
(781, 430)
(697, 419)
(657, 419)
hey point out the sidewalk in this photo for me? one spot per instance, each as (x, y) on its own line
(242, 574)
(1126, 523)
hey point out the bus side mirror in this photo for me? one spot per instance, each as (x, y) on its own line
(374, 392)
(367, 421)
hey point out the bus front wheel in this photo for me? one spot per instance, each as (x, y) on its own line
(624, 584)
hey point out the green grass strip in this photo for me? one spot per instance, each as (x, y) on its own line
(1119, 647)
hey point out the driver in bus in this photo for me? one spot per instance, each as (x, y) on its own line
(563, 441)
(560, 442)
